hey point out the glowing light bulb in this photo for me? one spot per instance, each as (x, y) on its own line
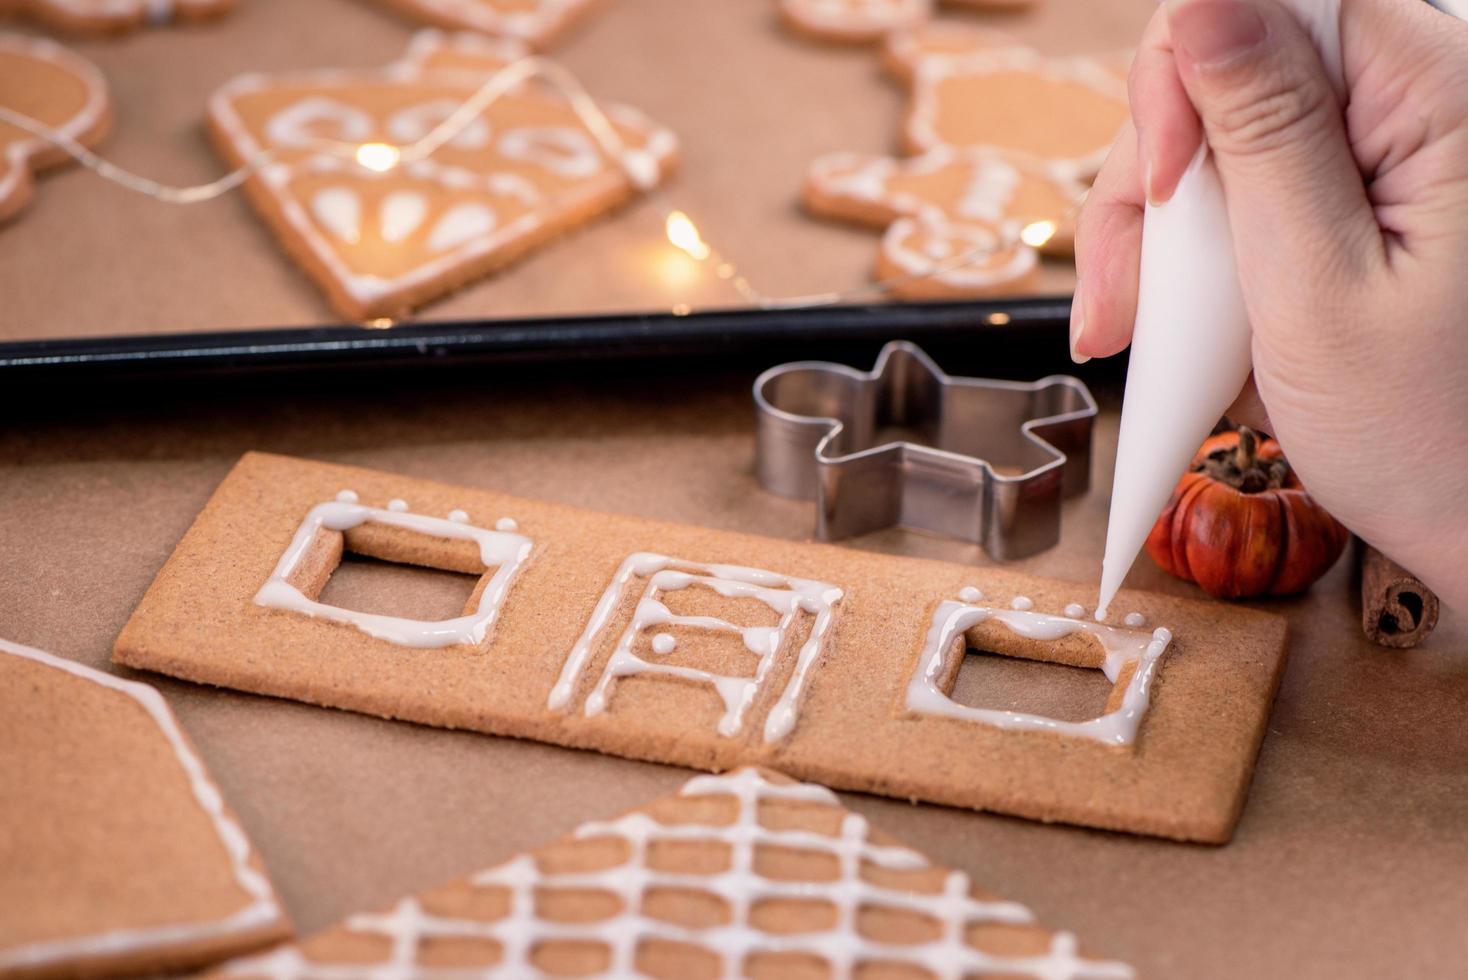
(378, 157)
(1037, 233)
(684, 234)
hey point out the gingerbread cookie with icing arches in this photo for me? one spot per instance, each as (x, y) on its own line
(382, 243)
(111, 16)
(538, 23)
(957, 186)
(45, 82)
(118, 854)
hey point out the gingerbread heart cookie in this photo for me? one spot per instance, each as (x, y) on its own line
(931, 258)
(115, 15)
(381, 243)
(862, 21)
(117, 853)
(43, 81)
(952, 185)
(538, 23)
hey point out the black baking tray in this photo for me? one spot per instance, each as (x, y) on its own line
(1022, 330)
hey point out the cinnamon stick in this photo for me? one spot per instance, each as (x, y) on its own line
(1397, 609)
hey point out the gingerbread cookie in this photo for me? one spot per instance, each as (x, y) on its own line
(117, 853)
(116, 15)
(747, 874)
(382, 243)
(955, 186)
(932, 258)
(712, 649)
(44, 82)
(974, 89)
(538, 23)
(862, 21)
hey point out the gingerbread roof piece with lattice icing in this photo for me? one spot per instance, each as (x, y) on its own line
(745, 874)
(381, 242)
(117, 852)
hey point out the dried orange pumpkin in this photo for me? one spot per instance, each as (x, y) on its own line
(1240, 524)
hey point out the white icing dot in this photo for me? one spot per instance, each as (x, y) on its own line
(663, 643)
(970, 594)
(1022, 602)
(1075, 610)
(397, 504)
(1134, 619)
(505, 524)
(459, 516)
(347, 496)
(642, 167)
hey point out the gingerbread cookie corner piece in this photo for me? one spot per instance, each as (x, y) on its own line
(743, 874)
(43, 81)
(538, 23)
(382, 242)
(119, 853)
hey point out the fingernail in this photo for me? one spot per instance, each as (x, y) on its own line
(1215, 32)
(1077, 326)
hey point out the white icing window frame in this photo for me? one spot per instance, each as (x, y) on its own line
(787, 594)
(501, 550)
(1137, 649)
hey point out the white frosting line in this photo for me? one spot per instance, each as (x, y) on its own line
(504, 552)
(785, 595)
(400, 214)
(562, 150)
(1121, 647)
(261, 908)
(740, 888)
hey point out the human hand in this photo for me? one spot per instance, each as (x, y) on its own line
(1351, 234)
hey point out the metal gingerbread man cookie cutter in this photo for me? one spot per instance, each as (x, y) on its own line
(984, 460)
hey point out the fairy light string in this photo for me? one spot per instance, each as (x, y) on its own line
(678, 227)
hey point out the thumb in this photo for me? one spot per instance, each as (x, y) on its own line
(1296, 198)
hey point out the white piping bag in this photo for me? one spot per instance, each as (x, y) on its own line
(1191, 344)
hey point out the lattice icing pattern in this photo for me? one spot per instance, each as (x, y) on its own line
(744, 842)
(789, 597)
(1128, 657)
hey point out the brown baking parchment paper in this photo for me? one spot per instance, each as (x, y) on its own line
(1351, 859)
(752, 105)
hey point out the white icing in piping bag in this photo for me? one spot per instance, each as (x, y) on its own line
(1191, 344)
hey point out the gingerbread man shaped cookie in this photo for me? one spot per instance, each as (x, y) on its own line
(46, 83)
(92, 16)
(975, 89)
(947, 184)
(381, 242)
